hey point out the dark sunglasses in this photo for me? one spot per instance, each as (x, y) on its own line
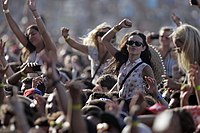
(166, 37)
(134, 43)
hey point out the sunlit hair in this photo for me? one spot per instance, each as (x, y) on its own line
(165, 29)
(91, 38)
(189, 37)
(145, 55)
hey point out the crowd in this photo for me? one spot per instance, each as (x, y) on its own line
(135, 85)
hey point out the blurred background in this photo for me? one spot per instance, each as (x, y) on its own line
(83, 15)
(80, 16)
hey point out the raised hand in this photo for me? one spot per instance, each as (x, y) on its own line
(176, 19)
(32, 5)
(152, 88)
(5, 4)
(125, 23)
(65, 32)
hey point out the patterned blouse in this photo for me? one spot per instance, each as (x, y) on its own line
(94, 61)
(134, 82)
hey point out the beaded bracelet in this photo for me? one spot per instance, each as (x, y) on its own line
(6, 11)
(36, 18)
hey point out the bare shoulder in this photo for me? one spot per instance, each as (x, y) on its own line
(148, 71)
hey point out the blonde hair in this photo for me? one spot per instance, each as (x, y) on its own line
(165, 29)
(189, 36)
(91, 38)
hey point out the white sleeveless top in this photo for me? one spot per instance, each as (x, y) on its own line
(134, 82)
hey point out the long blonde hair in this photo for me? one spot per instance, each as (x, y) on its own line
(189, 36)
(91, 38)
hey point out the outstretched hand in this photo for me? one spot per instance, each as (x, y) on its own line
(125, 23)
(152, 88)
(176, 19)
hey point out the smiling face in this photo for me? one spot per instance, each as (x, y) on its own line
(34, 37)
(135, 45)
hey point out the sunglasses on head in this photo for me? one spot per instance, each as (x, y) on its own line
(134, 43)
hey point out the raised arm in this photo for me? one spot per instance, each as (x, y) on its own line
(13, 25)
(3, 60)
(73, 43)
(176, 19)
(49, 44)
(125, 23)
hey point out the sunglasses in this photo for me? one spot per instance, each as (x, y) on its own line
(166, 37)
(134, 43)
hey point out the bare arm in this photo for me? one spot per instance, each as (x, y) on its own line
(125, 23)
(13, 25)
(49, 44)
(152, 89)
(3, 60)
(73, 43)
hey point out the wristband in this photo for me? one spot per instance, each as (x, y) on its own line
(135, 123)
(116, 29)
(22, 73)
(67, 38)
(76, 106)
(37, 17)
(6, 11)
(197, 87)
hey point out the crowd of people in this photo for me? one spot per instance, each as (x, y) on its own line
(130, 86)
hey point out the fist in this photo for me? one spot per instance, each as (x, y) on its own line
(65, 31)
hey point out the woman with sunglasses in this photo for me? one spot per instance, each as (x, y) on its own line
(133, 49)
(92, 46)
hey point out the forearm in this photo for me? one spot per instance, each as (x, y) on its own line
(107, 37)
(62, 96)
(15, 78)
(77, 118)
(197, 96)
(15, 28)
(76, 45)
(4, 62)
(49, 44)
(2, 95)
(22, 124)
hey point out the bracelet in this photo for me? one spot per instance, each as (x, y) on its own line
(116, 29)
(37, 17)
(22, 73)
(67, 38)
(197, 87)
(6, 11)
(76, 106)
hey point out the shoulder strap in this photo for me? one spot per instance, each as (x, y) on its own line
(129, 74)
(104, 57)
